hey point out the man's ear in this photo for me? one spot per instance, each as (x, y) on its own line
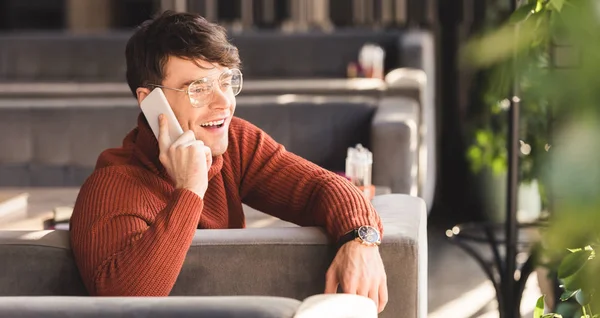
(141, 93)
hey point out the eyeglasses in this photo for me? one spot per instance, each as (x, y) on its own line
(201, 92)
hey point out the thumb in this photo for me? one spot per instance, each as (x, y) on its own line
(331, 283)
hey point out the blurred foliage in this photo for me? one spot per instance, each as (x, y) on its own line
(551, 49)
(512, 59)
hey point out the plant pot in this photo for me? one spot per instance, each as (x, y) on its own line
(492, 187)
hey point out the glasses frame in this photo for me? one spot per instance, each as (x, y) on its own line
(204, 80)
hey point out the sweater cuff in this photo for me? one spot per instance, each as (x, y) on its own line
(189, 203)
(348, 209)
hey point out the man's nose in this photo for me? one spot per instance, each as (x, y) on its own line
(219, 100)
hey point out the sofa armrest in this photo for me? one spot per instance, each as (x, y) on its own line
(318, 306)
(416, 84)
(292, 262)
(394, 143)
(156, 307)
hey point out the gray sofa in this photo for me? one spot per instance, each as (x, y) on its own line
(288, 262)
(55, 142)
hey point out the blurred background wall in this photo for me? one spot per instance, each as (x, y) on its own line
(450, 21)
(103, 15)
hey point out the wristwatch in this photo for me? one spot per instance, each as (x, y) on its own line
(365, 234)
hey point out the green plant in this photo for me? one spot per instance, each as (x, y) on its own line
(574, 272)
(531, 48)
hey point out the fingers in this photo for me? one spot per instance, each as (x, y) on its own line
(208, 154)
(350, 286)
(201, 154)
(383, 295)
(364, 290)
(374, 295)
(164, 140)
(331, 283)
(187, 138)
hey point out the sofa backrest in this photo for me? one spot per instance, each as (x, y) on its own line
(269, 54)
(58, 145)
(311, 54)
(41, 263)
(43, 268)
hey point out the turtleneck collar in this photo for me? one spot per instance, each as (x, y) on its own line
(146, 150)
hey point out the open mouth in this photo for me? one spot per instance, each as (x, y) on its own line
(214, 124)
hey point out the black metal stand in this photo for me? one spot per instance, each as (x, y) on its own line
(511, 301)
(506, 274)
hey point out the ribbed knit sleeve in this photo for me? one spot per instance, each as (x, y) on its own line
(122, 247)
(294, 189)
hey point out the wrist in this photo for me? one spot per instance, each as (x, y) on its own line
(197, 191)
(364, 235)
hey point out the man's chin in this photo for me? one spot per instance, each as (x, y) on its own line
(218, 149)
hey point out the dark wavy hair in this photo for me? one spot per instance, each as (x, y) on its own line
(184, 35)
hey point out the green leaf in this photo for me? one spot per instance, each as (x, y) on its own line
(538, 312)
(539, 6)
(573, 282)
(557, 5)
(583, 298)
(483, 137)
(501, 44)
(552, 316)
(573, 263)
(522, 13)
(567, 294)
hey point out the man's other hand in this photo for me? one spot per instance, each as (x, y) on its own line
(358, 269)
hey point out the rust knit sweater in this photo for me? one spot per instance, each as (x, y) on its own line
(131, 229)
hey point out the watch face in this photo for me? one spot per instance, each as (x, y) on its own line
(368, 234)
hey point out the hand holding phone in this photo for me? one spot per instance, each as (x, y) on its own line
(186, 159)
(155, 104)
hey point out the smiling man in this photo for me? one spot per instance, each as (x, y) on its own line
(136, 215)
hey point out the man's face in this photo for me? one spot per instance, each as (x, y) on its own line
(205, 118)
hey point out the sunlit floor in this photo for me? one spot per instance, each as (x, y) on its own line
(457, 286)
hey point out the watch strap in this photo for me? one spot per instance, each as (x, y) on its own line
(350, 236)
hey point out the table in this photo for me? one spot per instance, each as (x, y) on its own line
(40, 203)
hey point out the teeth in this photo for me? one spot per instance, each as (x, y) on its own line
(213, 123)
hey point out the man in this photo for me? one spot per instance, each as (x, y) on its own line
(136, 215)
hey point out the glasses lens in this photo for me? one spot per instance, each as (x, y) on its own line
(201, 91)
(231, 81)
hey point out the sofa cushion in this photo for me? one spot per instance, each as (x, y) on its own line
(319, 129)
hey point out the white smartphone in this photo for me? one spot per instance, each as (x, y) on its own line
(155, 104)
